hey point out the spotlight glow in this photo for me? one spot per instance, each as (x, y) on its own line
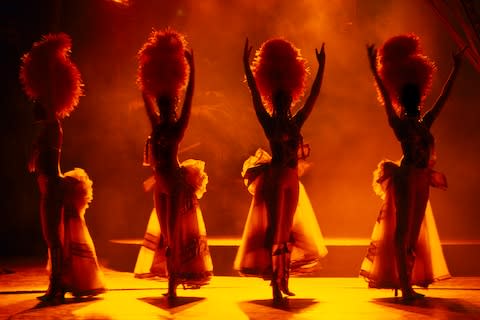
(122, 2)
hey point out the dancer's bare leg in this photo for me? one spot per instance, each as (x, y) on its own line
(405, 204)
(51, 209)
(282, 203)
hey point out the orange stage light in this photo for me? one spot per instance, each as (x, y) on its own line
(122, 2)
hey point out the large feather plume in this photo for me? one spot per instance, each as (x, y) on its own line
(49, 76)
(162, 67)
(400, 62)
(278, 65)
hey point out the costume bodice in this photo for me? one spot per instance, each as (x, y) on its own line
(417, 143)
(162, 147)
(285, 140)
(46, 154)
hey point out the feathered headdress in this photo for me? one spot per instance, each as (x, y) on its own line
(49, 76)
(162, 67)
(400, 61)
(278, 65)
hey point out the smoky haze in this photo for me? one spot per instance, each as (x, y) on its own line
(347, 131)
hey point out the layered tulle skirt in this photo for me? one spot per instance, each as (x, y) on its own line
(379, 266)
(254, 256)
(80, 272)
(186, 252)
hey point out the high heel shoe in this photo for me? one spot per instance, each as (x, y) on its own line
(411, 295)
(53, 296)
(276, 293)
(286, 270)
(56, 292)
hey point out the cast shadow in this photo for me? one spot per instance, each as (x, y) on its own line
(172, 305)
(287, 309)
(64, 310)
(434, 306)
(67, 301)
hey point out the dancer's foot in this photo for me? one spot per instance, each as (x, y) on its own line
(172, 288)
(53, 296)
(170, 296)
(277, 294)
(56, 291)
(411, 295)
(172, 292)
(284, 288)
(288, 292)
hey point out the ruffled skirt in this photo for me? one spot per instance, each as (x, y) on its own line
(254, 256)
(379, 266)
(80, 271)
(188, 253)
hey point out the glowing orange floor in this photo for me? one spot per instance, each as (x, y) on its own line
(235, 298)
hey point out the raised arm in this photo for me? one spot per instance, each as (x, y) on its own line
(187, 103)
(372, 59)
(262, 114)
(433, 113)
(302, 115)
(150, 109)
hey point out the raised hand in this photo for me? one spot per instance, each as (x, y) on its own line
(260, 111)
(320, 55)
(302, 114)
(187, 102)
(432, 114)
(457, 57)
(247, 50)
(189, 56)
(147, 98)
(372, 56)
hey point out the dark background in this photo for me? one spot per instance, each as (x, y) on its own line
(347, 131)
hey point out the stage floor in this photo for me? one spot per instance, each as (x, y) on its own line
(232, 298)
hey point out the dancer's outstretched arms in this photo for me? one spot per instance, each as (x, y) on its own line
(150, 109)
(187, 103)
(262, 114)
(302, 115)
(433, 113)
(372, 59)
